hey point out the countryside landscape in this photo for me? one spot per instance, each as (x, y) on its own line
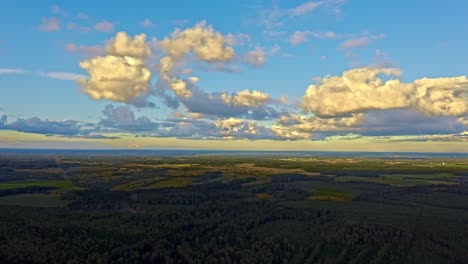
(103, 207)
(233, 131)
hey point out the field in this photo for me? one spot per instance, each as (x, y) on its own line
(238, 208)
(63, 185)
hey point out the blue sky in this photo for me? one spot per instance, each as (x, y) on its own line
(279, 49)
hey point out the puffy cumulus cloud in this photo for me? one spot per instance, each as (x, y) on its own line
(201, 40)
(121, 75)
(356, 90)
(240, 128)
(229, 125)
(125, 45)
(294, 126)
(246, 98)
(362, 89)
(257, 56)
(442, 96)
(115, 78)
(207, 44)
(285, 132)
(123, 118)
(213, 106)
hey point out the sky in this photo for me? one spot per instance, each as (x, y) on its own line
(325, 75)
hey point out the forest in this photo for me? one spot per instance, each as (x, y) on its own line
(75, 208)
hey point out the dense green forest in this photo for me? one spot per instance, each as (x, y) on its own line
(82, 209)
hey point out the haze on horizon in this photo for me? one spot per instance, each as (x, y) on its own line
(340, 75)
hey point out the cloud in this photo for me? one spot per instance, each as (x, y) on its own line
(359, 42)
(406, 122)
(11, 71)
(81, 29)
(146, 23)
(50, 24)
(82, 15)
(37, 125)
(89, 51)
(125, 45)
(123, 118)
(299, 37)
(115, 78)
(246, 98)
(238, 39)
(212, 105)
(121, 76)
(362, 89)
(201, 40)
(104, 26)
(276, 17)
(239, 128)
(294, 126)
(257, 56)
(4, 120)
(66, 76)
(58, 11)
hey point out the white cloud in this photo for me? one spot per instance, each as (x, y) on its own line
(66, 76)
(206, 44)
(58, 11)
(362, 89)
(104, 26)
(299, 37)
(246, 98)
(89, 51)
(361, 41)
(50, 24)
(125, 45)
(257, 56)
(11, 71)
(238, 39)
(276, 17)
(121, 75)
(115, 78)
(147, 23)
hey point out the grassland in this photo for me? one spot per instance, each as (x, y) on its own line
(63, 185)
(404, 179)
(34, 200)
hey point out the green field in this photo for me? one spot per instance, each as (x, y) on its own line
(171, 182)
(58, 184)
(33, 200)
(403, 179)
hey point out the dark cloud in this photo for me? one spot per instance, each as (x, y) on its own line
(39, 126)
(4, 120)
(123, 118)
(407, 122)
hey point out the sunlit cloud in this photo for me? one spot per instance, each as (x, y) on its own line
(66, 76)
